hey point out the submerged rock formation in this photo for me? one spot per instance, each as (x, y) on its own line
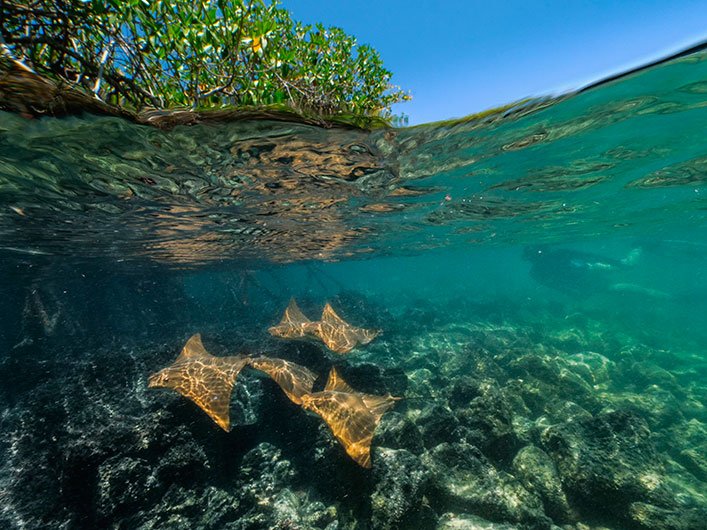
(497, 430)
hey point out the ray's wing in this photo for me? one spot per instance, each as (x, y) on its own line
(293, 379)
(364, 336)
(330, 317)
(193, 348)
(333, 340)
(210, 386)
(333, 332)
(350, 422)
(352, 416)
(336, 383)
(379, 405)
(340, 336)
(293, 314)
(207, 381)
(293, 323)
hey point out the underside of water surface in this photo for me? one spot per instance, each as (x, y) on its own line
(538, 276)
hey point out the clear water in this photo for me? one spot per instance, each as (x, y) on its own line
(555, 254)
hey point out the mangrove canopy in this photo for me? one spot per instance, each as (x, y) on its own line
(197, 54)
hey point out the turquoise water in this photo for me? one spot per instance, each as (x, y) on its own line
(539, 276)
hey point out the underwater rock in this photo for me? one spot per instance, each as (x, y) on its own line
(694, 461)
(644, 374)
(186, 462)
(609, 462)
(23, 370)
(477, 358)
(658, 407)
(513, 392)
(329, 458)
(437, 424)
(398, 431)
(654, 517)
(398, 499)
(595, 365)
(185, 508)
(124, 484)
(462, 521)
(92, 445)
(695, 407)
(425, 352)
(537, 472)
(546, 378)
(535, 366)
(463, 480)
(488, 423)
(265, 485)
(559, 411)
(30, 476)
(298, 510)
(572, 340)
(373, 379)
(463, 390)
(248, 402)
(422, 382)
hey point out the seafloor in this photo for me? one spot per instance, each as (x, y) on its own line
(512, 416)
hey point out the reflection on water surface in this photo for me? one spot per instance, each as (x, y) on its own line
(223, 191)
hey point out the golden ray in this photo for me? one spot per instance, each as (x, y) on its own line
(340, 336)
(337, 334)
(295, 380)
(352, 416)
(335, 383)
(205, 379)
(293, 324)
(193, 348)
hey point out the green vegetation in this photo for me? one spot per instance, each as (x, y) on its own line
(198, 54)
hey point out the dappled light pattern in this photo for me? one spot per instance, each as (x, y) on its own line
(231, 191)
(352, 416)
(294, 324)
(205, 379)
(294, 380)
(287, 192)
(340, 336)
(208, 381)
(337, 334)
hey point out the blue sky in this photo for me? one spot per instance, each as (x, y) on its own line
(458, 57)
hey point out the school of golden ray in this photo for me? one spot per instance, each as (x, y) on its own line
(352, 416)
